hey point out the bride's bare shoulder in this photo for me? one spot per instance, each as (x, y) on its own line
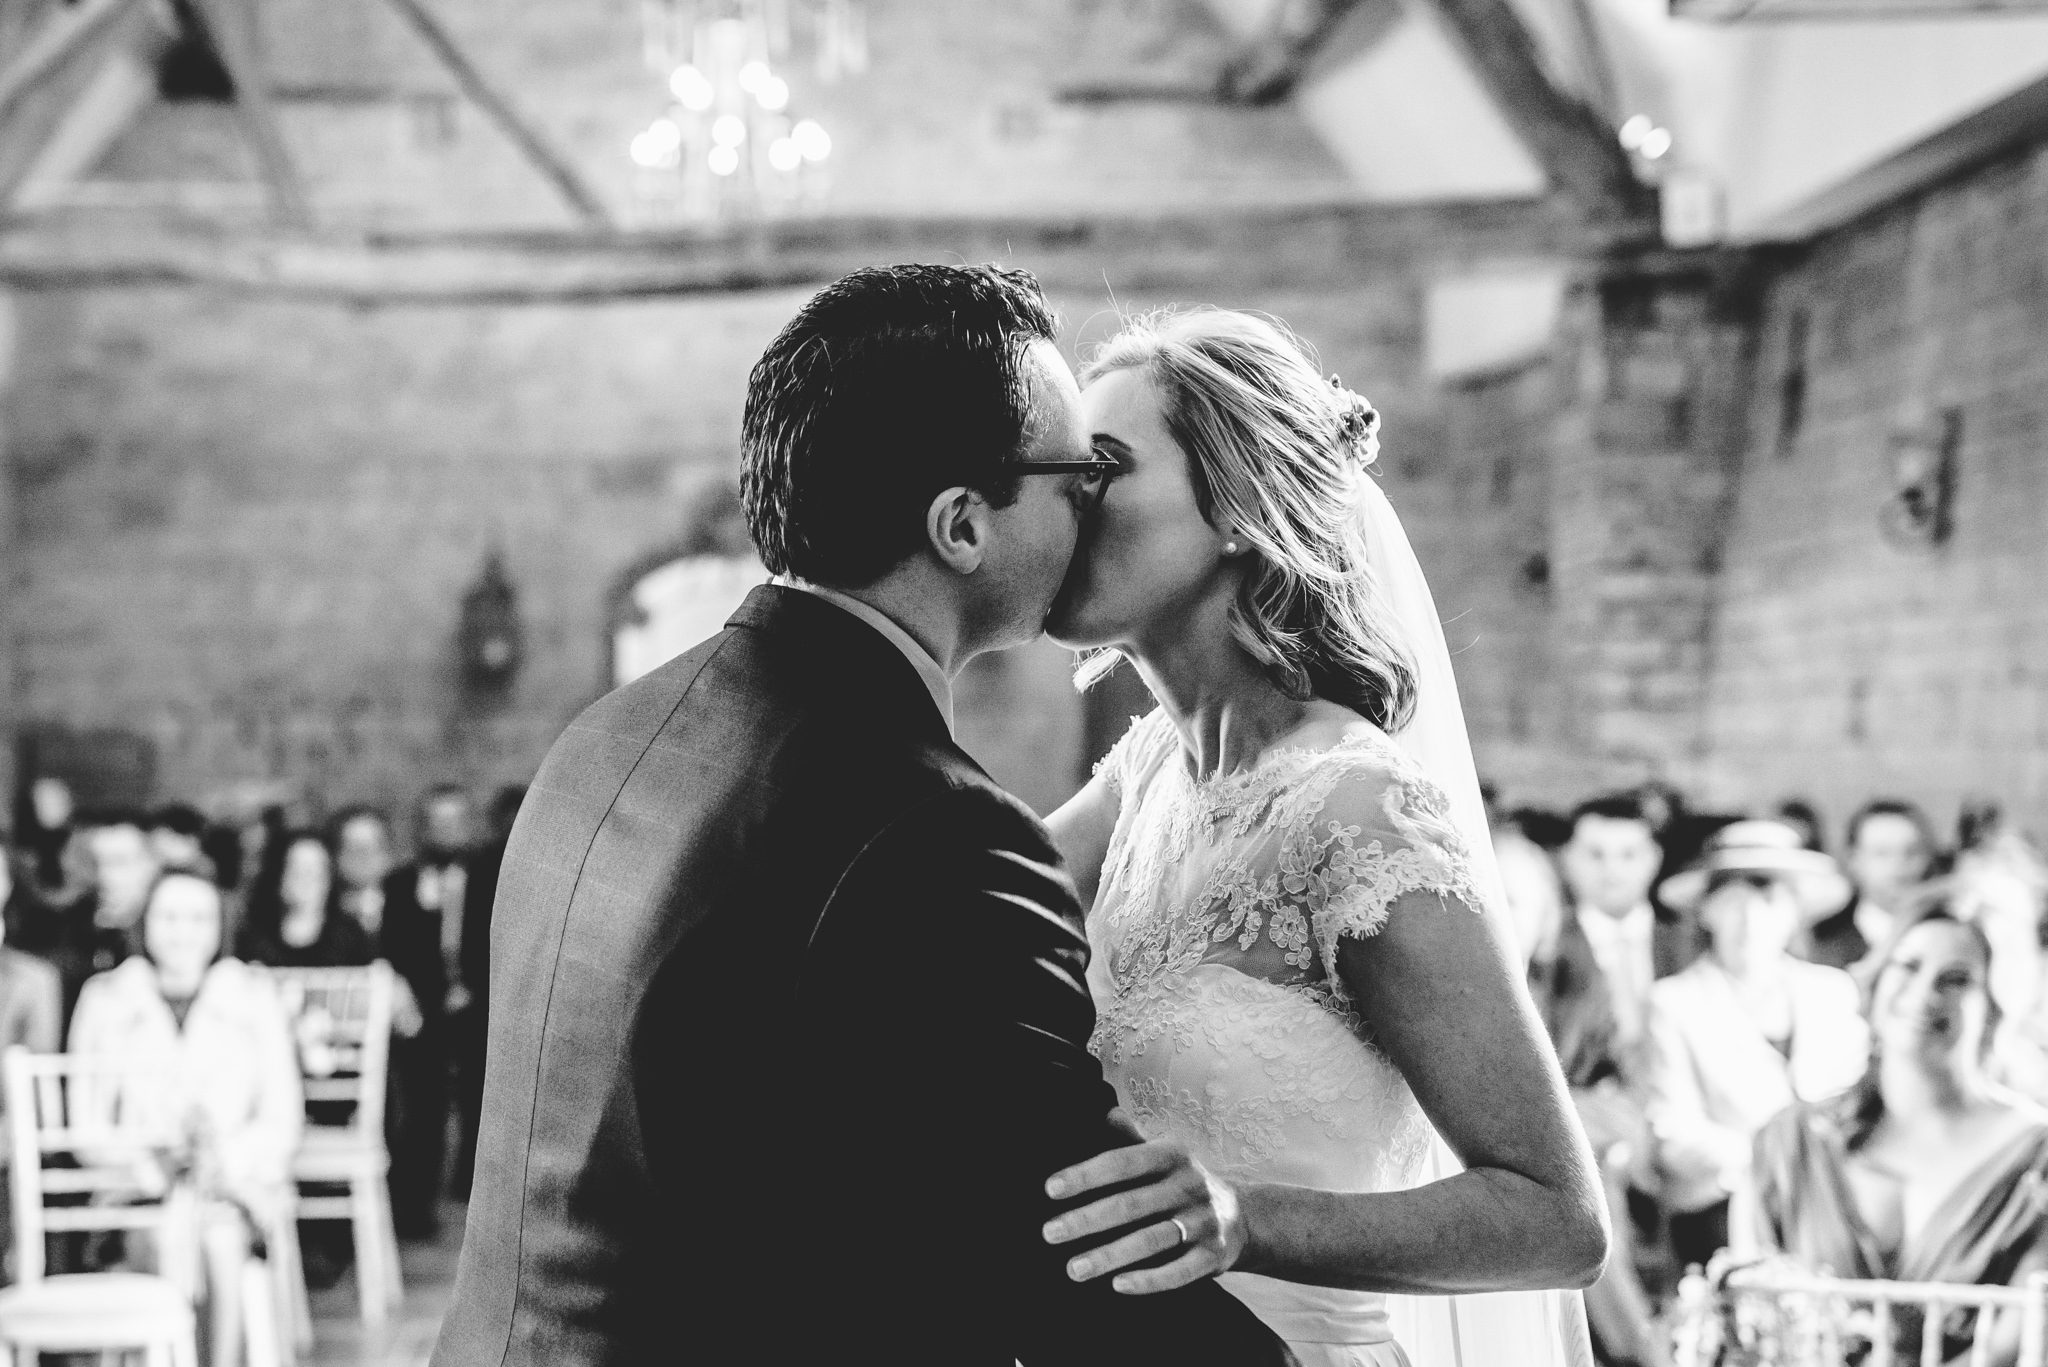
(1332, 726)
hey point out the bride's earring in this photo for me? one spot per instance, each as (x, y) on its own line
(1230, 548)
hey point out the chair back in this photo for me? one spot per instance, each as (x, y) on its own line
(341, 1022)
(74, 1143)
(1771, 1315)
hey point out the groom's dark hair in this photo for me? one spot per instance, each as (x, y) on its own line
(889, 386)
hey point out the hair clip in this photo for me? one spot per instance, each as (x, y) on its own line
(1358, 423)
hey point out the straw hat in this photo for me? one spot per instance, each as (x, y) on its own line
(1769, 849)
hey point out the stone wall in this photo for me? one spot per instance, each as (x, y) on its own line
(1639, 462)
(1845, 664)
(242, 525)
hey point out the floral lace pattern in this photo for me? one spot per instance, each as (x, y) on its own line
(1222, 1018)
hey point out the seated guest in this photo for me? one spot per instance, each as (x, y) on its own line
(1535, 894)
(177, 839)
(362, 859)
(1747, 1029)
(214, 1073)
(1564, 980)
(1571, 996)
(1888, 851)
(31, 1015)
(1925, 1170)
(435, 939)
(1803, 817)
(294, 918)
(2000, 884)
(31, 1001)
(1610, 864)
(45, 820)
(295, 921)
(93, 933)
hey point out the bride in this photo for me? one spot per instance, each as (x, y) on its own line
(1304, 999)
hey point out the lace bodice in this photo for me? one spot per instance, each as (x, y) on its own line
(1222, 1019)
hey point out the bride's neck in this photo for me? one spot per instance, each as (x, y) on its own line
(1226, 710)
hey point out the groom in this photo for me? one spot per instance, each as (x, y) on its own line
(788, 1024)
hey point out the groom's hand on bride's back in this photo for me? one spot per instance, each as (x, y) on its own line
(1149, 1213)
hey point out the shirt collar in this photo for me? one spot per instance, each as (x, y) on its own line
(933, 677)
(1631, 927)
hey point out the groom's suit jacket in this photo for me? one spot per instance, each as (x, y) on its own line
(788, 1028)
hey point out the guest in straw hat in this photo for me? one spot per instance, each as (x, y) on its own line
(1747, 1029)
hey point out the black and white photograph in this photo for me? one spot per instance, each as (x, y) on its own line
(1023, 683)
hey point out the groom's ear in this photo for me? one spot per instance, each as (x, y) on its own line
(957, 525)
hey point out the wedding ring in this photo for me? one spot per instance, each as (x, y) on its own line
(1185, 1237)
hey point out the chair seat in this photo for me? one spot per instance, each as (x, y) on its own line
(85, 1310)
(332, 1154)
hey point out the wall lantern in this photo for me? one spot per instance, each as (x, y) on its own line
(488, 638)
(1920, 511)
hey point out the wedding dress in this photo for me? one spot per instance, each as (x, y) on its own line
(1222, 1020)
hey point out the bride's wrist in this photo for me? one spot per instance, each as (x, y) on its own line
(1258, 1205)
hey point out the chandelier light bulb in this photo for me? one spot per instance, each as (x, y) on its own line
(773, 93)
(783, 154)
(1635, 130)
(658, 145)
(1656, 143)
(812, 142)
(692, 88)
(753, 76)
(724, 160)
(730, 130)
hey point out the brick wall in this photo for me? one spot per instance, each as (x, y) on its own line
(1845, 665)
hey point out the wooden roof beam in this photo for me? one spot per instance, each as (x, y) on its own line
(231, 25)
(485, 95)
(1268, 73)
(62, 37)
(124, 85)
(1165, 254)
(1576, 148)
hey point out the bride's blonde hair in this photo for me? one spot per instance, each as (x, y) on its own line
(1276, 451)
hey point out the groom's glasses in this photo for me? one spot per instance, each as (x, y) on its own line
(1096, 475)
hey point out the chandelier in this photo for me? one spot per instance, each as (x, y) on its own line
(730, 142)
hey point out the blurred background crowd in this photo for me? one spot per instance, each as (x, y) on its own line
(87, 890)
(1716, 985)
(1762, 1016)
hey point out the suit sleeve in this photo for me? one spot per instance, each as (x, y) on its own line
(956, 934)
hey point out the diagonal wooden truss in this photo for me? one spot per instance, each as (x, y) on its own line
(106, 31)
(1574, 142)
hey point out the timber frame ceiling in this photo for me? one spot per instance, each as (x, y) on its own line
(74, 74)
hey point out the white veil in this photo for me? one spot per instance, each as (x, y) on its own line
(1502, 1329)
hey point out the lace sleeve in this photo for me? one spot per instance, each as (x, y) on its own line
(1377, 834)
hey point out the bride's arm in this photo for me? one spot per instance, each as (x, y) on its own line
(1442, 999)
(1527, 1211)
(1081, 829)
